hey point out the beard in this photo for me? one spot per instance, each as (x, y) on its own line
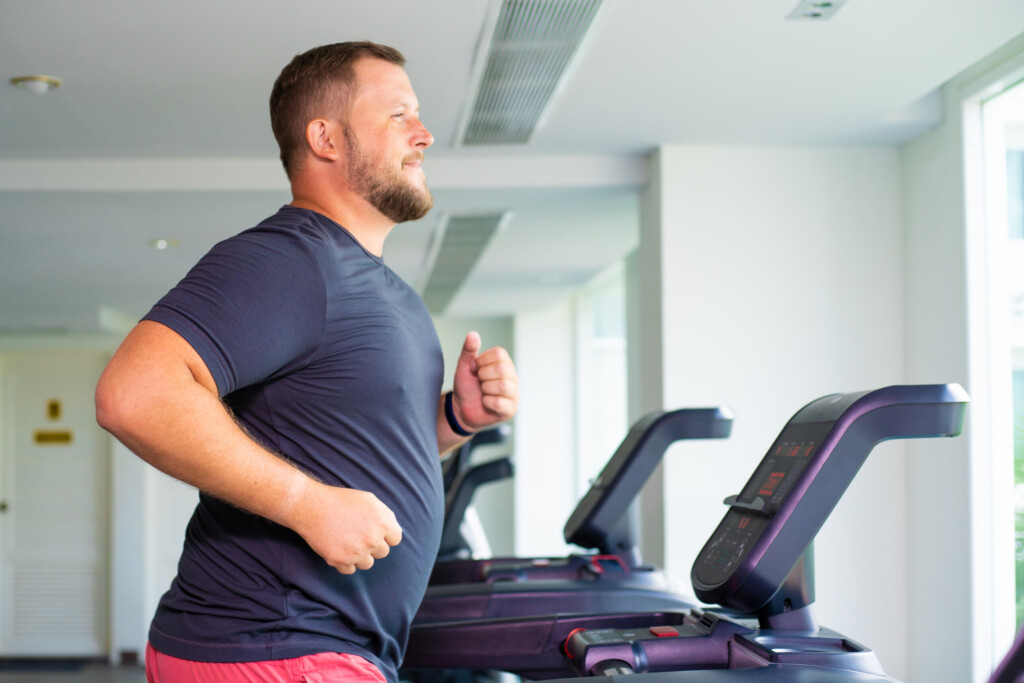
(384, 186)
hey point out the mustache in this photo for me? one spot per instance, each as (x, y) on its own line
(413, 157)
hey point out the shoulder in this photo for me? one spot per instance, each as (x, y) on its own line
(286, 233)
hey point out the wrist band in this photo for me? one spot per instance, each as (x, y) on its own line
(449, 415)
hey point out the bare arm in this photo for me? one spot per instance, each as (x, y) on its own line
(159, 399)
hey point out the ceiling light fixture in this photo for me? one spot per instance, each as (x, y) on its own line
(816, 10)
(162, 243)
(37, 85)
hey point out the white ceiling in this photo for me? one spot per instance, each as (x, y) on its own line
(161, 127)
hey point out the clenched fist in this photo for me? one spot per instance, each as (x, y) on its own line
(348, 528)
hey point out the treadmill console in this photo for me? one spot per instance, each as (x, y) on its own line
(770, 525)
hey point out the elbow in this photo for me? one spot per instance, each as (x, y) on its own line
(112, 409)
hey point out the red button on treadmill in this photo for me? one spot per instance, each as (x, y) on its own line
(664, 631)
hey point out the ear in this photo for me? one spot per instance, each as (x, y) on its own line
(321, 136)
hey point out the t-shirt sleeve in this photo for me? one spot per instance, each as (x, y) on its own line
(252, 308)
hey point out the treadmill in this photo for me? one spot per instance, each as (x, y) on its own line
(1011, 668)
(757, 567)
(613, 576)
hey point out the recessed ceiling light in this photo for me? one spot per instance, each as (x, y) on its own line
(816, 10)
(37, 85)
(162, 243)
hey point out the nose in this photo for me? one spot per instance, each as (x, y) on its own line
(421, 136)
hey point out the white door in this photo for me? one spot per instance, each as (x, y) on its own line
(54, 506)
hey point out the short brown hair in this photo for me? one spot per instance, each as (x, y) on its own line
(315, 84)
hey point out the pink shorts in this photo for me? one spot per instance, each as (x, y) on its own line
(320, 668)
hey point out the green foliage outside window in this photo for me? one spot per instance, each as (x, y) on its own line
(1015, 220)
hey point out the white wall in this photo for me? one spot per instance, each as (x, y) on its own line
(545, 430)
(149, 514)
(168, 506)
(782, 281)
(129, 604)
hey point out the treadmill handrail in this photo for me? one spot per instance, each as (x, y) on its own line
(459, 460)
(598, 519)
(461, 494)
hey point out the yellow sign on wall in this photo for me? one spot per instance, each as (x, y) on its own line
(52, 437)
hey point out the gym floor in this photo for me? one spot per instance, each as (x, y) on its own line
(89, 673)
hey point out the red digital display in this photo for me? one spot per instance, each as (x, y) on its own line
(781, 467)
(790, 450)
(772, 483)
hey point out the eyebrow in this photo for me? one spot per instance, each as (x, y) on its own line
(407, 104)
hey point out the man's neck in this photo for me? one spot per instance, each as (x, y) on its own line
(362, 220)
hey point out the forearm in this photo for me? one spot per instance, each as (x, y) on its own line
(170, 415)
(204, 447)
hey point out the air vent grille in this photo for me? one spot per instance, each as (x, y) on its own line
(56, 607)
(533, 44)
(463, 240)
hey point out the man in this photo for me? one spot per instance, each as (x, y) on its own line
(296, 381)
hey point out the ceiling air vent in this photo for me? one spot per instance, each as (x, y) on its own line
(520, 66)
(458, 243)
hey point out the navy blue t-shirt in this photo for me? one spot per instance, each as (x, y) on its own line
(328, 358)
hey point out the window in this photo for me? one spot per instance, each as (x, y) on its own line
(1014, 137)
(1002, 138)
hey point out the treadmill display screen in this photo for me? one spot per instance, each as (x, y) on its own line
(729, 545)
(760, 499)
(782, 466)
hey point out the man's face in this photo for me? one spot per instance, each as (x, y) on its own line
(385, 142)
